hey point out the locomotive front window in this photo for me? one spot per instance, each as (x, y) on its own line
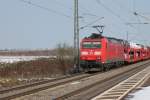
(91, 45)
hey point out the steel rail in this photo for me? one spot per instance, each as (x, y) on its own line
(30, 89)
(119, 91)
(5, 90)
(38, 86)
(76, 93)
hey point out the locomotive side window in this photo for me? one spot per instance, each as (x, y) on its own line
(91, 45)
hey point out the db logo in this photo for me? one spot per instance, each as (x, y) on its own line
(91, 53)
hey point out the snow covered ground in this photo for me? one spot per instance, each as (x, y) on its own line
(143, 94)
(12, 59)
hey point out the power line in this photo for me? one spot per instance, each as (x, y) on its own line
(137, 14)
(87, 25)
(89, 14)
(63, 5)
(145, 13)
(113, 13)
(108, 9)
(84, 12)
(121, 6)
(47, 9)
(82, 9)
(138, 23)
(134, 10)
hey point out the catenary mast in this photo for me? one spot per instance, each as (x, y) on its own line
(76, 35)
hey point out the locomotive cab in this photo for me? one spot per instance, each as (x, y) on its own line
(91, 52)
(101, 53)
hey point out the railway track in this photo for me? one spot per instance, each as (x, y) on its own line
(22, 90)
(90, 91)
(78, 93)
(119, 91)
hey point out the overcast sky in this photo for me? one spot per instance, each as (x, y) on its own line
(26, 26)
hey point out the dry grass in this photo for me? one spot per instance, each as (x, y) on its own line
(37, 68)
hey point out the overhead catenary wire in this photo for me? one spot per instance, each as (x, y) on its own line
(121, 6)
(63, 5)
(138, 23)
(89, 14)
(133, 11)
(45, 8)
(83, 10)
(87, 25)
(137, 14)
(145, 13)
(123, 21)
(108, 9)
(114, 14)
(138, 19)
(60, 13)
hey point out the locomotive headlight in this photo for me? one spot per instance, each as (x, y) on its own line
(97, 53)
(84, 53)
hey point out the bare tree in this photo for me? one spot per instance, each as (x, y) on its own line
(64, 55)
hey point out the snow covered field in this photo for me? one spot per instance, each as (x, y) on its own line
(143, 94)
(12, 59)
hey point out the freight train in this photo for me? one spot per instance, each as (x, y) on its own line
(98, 52)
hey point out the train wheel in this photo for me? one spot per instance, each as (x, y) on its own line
(102, 68)
(107, 67)
(117, 64)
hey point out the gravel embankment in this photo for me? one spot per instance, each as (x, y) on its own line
(147, 83)
(69, 87)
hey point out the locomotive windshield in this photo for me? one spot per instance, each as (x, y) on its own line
(91, 44)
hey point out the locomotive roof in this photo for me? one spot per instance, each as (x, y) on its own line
(96, 35)
(111, 38)
(99, 36)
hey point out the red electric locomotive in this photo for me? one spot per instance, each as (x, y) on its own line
(100, 53)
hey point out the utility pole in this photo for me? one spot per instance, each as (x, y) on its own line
(76, 36)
